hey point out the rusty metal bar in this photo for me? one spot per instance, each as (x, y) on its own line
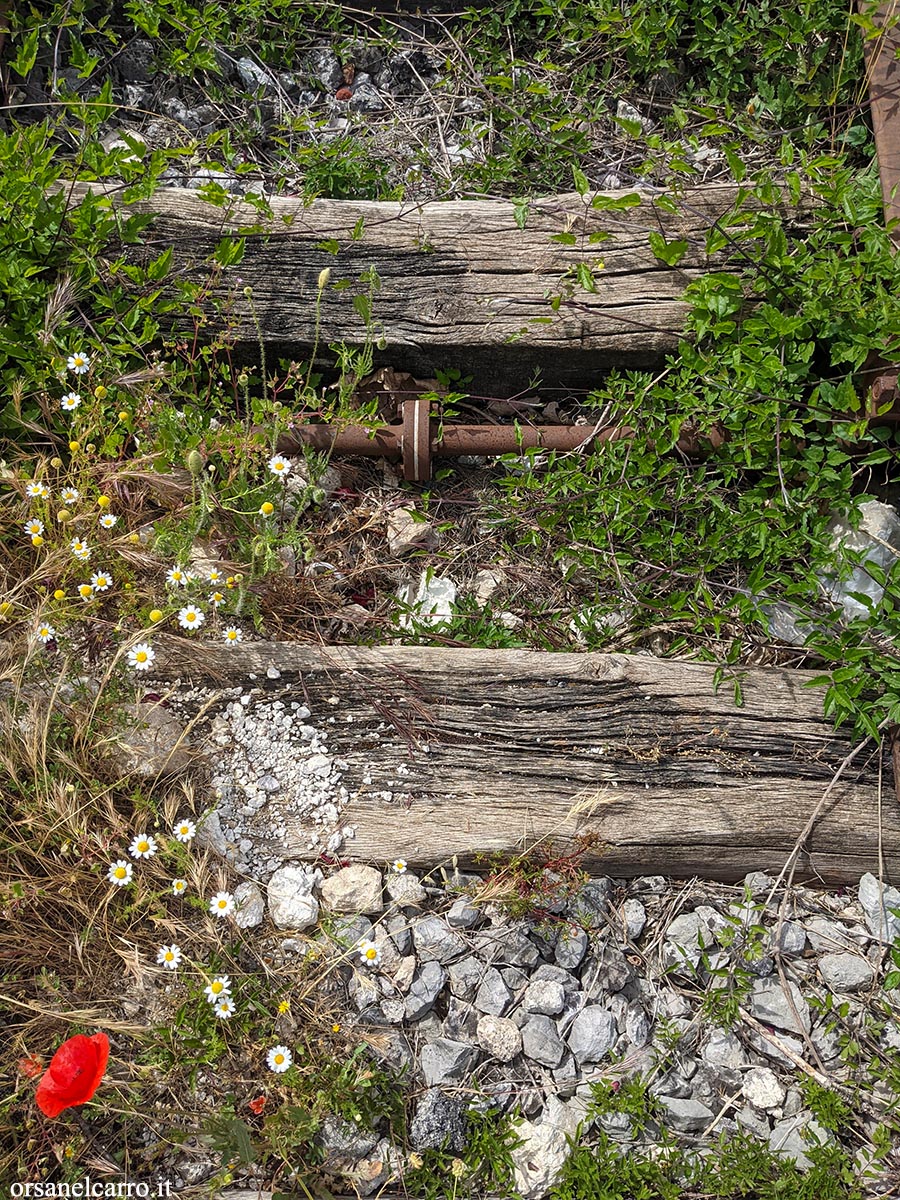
(419, 439)
(883, 74)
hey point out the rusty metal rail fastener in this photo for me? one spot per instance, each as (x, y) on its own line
(420, 438)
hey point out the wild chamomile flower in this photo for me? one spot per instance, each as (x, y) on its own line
(108, 520)
(225, 1009)
(191, 617)
(45, 633)
(218, 988)
(35, 527)
(85, 591)
(69, 495)
(70, 402)
(177, 576)
(221, 904)
(216, 598)
(279, 465)
(399, 865)
(369, 953)
(78, 363)
(80, 549)
(37, 491)
(232, 635)
(141, 656)
(169, 956)
(185, 831)
(179, 887)
(143, 846)
(101, 582)
(279, 1059)
(120, 873)
(214, 576)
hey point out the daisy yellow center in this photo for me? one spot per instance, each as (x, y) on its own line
(216, 987)
(191, 616)
(279, 1059)
(142, 846)
(179, 887)
(121, 872)
(141, 656)
(232, 635)
(370, 954)
(101, 581)
(183, 829)
(169, 956)
(223, 904)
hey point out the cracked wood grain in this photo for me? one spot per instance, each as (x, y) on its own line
(457, 752)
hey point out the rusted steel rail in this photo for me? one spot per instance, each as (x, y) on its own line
(883, 81)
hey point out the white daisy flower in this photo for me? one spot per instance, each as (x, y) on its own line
(120, 873)
(279, 465)
(218, 988)
(37, 491)
(143, 846)
(191, 617)
(214, 576)
(399, 865)
(70, 402)
(35, 527)
(169, 956)
(85, 591)
(185, 830)
(369, 953)
(177, 576)
(141, 656)
(108, 520)
(225, 1009)
(101, 582)
(78, 363)
(179, 887)
(216, 598)
(279, 1059)
(232, 635)
(221, 904)
(45, 633)
(80, 549)
(69, 495)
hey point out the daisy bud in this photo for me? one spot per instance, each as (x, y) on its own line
(194, 462)
(100, 392)
(324, 276)
(104, 501)
(63, 515)
(56, 463)
(123, 415)
(73, 446)
(59, 594)
(37, 540)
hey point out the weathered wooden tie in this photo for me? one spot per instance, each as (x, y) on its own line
(460, 284)
(459, 752)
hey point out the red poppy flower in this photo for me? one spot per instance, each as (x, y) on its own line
(74, 1074)
(257, 1105)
